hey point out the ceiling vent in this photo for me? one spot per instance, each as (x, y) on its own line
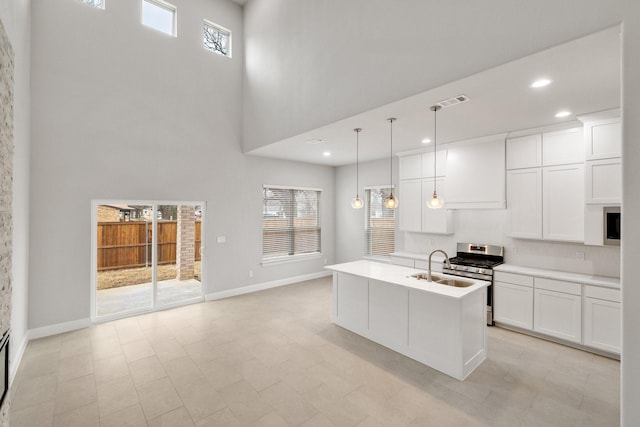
(314, 141)
(453, 101)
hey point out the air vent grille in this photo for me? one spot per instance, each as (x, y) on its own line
(453, 101)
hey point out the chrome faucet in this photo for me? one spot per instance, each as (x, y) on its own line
(446, 259)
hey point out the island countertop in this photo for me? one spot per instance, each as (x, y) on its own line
(400, 275)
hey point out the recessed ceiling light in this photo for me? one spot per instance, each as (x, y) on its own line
(326, 153)
(540, 83)
(563, 113)
(426, 141)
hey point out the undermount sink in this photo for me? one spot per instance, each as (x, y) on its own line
(455, 282)
(425, 276)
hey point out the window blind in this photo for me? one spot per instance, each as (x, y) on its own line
(380, 224)
(290, 222)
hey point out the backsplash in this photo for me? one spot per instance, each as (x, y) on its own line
(489, 226)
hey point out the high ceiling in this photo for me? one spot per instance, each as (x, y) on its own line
(585, 76)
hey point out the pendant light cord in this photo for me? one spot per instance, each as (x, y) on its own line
(357, 160)
(391, 120)
(435, 146)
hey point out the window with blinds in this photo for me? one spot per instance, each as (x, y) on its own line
(290, 222)
(380, 224)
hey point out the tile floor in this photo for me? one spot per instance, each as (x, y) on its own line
(273, 358)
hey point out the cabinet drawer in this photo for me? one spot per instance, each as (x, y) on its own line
(517, 279)
(605, 294)
(558, 286)
(407, 262)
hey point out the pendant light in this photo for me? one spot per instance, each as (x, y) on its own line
(435, 202)
(357, 203)
(391, 202)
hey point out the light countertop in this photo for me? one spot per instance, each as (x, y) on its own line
(603, 281)
(399, 275)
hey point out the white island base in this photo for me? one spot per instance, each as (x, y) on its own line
(440, 326)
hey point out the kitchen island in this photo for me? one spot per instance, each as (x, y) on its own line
(441, 326)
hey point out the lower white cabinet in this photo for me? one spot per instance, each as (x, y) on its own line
(513, 305)
(602, 319)
(352, 293)
(558, 309)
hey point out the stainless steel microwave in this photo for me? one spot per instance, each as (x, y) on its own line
(612, 225)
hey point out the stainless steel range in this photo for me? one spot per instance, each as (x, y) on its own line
(477, 261)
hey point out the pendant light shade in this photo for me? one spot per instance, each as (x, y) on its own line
(357, 202)
(391, 202)
(436, 201)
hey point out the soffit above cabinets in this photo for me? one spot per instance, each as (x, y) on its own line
(585, 76)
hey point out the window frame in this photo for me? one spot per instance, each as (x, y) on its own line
(293, 257)
(220, 29)
(163, 5)
(367, 218)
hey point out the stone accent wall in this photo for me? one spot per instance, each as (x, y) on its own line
(6, 184)
(185, 247)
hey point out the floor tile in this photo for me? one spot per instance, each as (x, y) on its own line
(75, 393)
(40, 415)
(116, 395)
(177, 418)
(221, 418)
(110, 368)
(138, 349)
(84, 416)
(146, 369)
(200, 399)
(182, 371)
(158, 397)
(289, 404)
(34, 391)
(131, 416)
(245, 403)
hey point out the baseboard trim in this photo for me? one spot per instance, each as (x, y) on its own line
(58, 328)
(14, 363)
(263, 286)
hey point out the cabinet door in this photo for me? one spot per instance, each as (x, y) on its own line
(603, 138)
(524, 152)
(388, 313)
(563, 203)
(437, 221)
(602, 324)
(524, 201)
(475, 175)
(410, 205)
(513, 305)
(410, 166)
(352, 302)
(604, 181)
(441, 164)
(557, 314)
(562, 147)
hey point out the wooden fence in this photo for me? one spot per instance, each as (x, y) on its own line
(129, 244)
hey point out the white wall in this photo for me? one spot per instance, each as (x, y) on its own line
(121, 111)
(15, 15)
(310, 63)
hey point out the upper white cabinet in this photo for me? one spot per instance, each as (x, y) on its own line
(562, 147)
(441, 164)
(604, 181)
(524, 152)
(602, 137)
(410, 209)
(476, 174)
(524, 196)
(436, 221)
(563, 202)
(411, 166)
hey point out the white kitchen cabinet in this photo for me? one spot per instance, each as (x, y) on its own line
(602, 321)
(435, 221)
(524, 152)
(388, 313)
(476, 174)
(563, 203)
(410, 166)
(603, 138)
(427, 164)
(410, 208)
(513, 299)
(594, 225)
(562, 147)
(558, 309)
(524, 201)
(603, 181)
(352, 293)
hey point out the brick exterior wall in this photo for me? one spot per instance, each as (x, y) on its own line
(6, 184)
(108, 214)
(186, 240)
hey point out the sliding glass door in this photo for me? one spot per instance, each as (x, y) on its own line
(147, 256)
